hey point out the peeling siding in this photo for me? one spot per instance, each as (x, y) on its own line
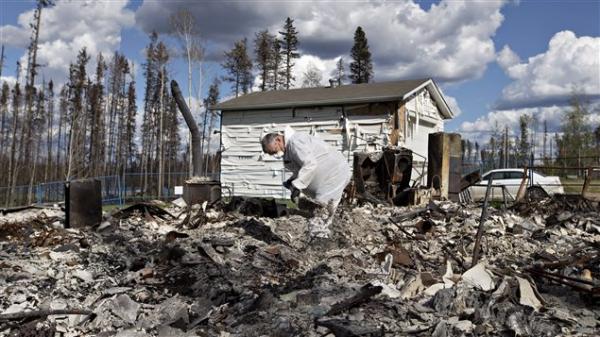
(249, 172)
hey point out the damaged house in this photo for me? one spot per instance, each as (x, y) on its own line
(351, 118)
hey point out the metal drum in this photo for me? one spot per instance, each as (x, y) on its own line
(199, 192)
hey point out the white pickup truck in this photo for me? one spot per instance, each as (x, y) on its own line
(511, 178)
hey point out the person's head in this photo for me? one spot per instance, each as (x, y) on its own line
(273, 143)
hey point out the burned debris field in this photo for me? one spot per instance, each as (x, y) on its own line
(299, 168)
(161, 269)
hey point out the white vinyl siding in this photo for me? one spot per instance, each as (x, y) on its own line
(249, 172)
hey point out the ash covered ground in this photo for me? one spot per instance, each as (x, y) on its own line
(389, 271)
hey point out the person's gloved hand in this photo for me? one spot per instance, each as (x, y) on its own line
(295, 194)
(288, 184)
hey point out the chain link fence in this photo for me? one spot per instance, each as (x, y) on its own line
(121, 189)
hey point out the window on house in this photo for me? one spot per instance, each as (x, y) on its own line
(411, 129)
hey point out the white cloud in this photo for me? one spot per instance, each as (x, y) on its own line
(507, 59)
(11, 80)
(325, 66)
(453, 104)
(571, 64)
(66, 28)
(14, 36)
(482, 128)
(451, 41)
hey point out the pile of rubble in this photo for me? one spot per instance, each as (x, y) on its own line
(149, 271)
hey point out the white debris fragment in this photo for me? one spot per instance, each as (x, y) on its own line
(103, 225)
(179, 202)
(479, 277)
(448, 277)
(387, 290)
(125, 308)
(17, 307)
(528, 296)
(433, 289)
(464, 326)
(83, 275)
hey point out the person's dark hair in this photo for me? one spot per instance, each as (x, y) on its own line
(268, 139)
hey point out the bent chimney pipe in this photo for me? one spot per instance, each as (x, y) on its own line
(191, 123)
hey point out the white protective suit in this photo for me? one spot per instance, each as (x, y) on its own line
(319, 171)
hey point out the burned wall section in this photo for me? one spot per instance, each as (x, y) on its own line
(383, 176)
(444, 164)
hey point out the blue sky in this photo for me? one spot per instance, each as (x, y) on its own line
(495, 60)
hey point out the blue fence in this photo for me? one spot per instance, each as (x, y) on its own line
(115, 189)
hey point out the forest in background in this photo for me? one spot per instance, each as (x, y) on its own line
(89, 126)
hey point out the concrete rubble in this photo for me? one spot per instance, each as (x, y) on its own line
(392, 271)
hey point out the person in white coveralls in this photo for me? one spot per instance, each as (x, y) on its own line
(318, 171)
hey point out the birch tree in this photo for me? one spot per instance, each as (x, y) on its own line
(312, 77)
(184, 27)
(339, 73)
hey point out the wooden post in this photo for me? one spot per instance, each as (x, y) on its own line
(484, 208)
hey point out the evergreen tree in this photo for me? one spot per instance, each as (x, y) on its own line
(289, 50)
(239, 68)
(263, 50)
(38, 122)
(361, 68)
(148, 119)
(129, 139)
(96, 99)
(276, 77)
(576, 141)
(2, 58)
(17, 98)
(597, 139)
(524, 146)
(77, 116)
(173, 140)
(63, 103)
(49, 130)
(492, 152)
(4, 99)
(211, 100)
(545, 141)
(117, 113)
(162, 57)
(469, 150)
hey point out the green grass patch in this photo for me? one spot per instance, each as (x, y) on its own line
(111, 208)
(574, 186)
